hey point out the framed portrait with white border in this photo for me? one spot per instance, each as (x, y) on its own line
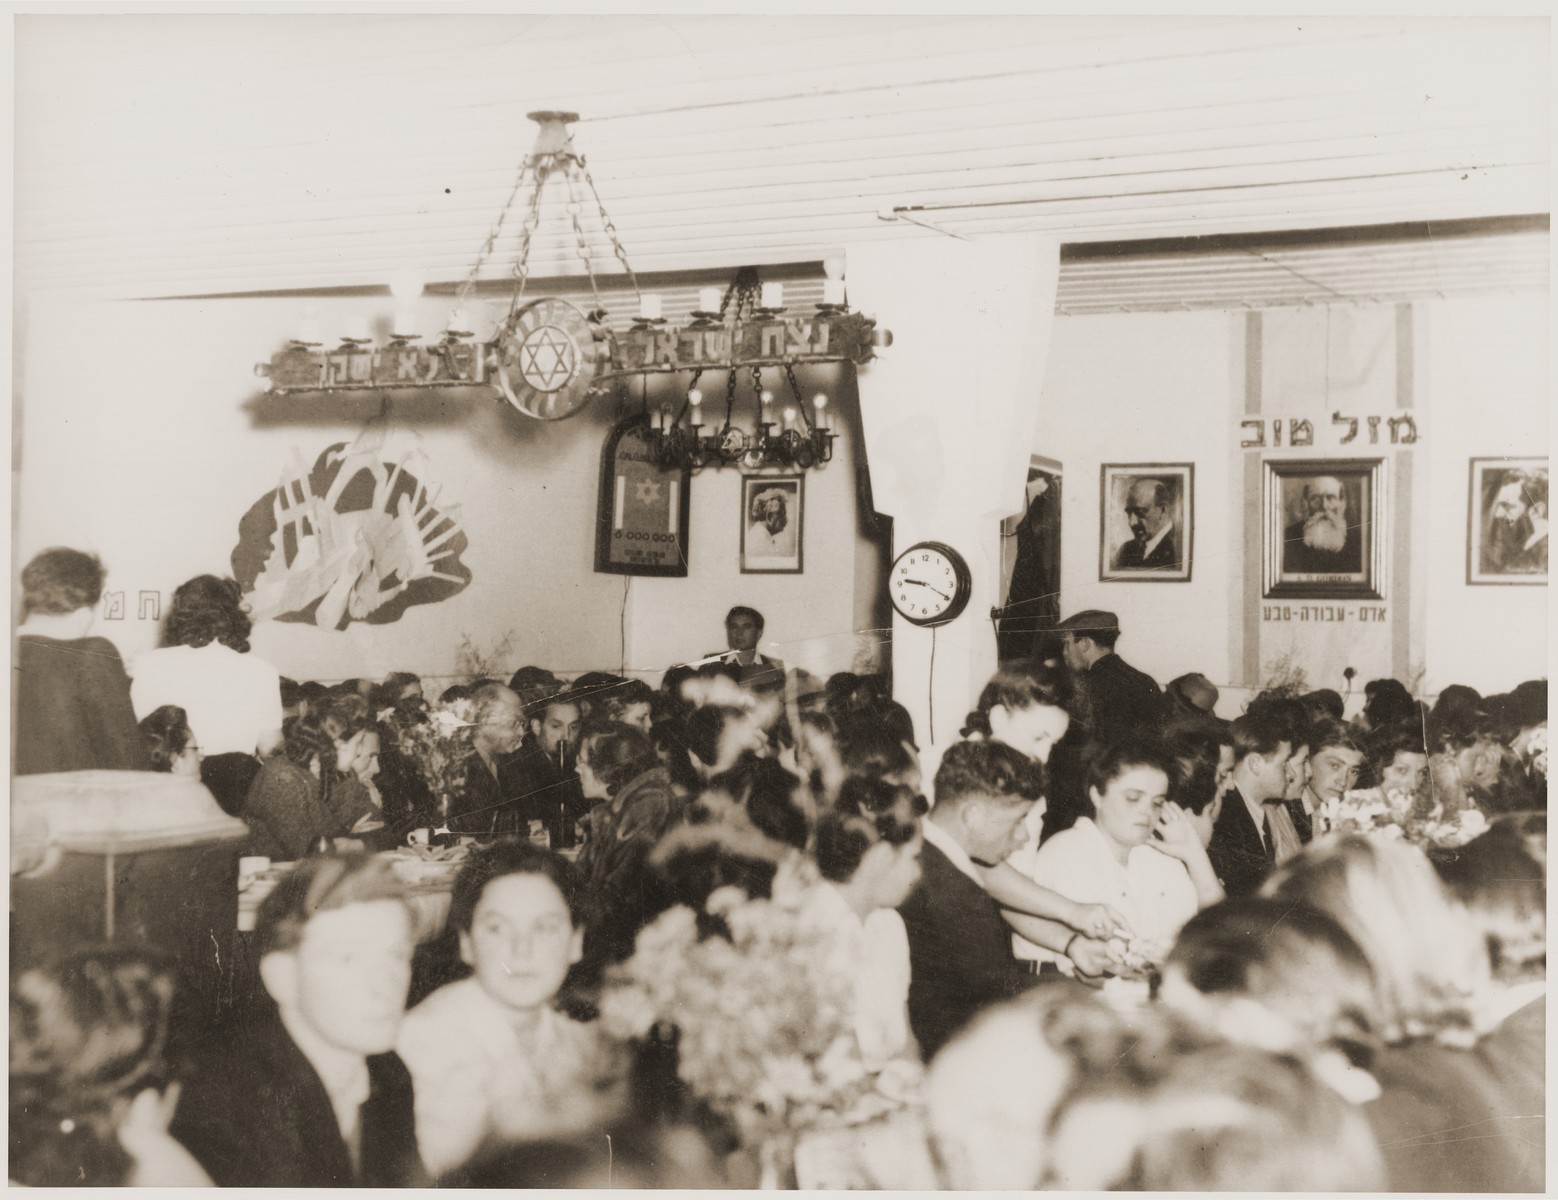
(1506, 536)
(1146, 522)
(1324, 528)
(771, 524)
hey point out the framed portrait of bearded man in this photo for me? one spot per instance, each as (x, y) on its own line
(1507, 537)
(1325, 528)
(771, 525)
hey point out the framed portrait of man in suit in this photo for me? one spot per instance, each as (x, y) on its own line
(1146, 522)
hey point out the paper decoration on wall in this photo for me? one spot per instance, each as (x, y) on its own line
(354, 538)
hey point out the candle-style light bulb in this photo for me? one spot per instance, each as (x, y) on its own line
(820, 403)
(649, 306)
(308, 331)
(765, 400)
(833, 292)
(773, 295)
(695, 403)
(357, 329)
(457, 321)
(708, 300)
(789, 416)
(405, 323)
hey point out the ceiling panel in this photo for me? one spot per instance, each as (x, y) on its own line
(167, 155)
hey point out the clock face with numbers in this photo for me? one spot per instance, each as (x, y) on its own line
(929, 583)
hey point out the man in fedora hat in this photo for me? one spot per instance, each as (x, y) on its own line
(1125, 702)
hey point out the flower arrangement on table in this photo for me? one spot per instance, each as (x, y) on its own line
(766, 1037)
(1392, 815)
(1534, 751)
(439, 742)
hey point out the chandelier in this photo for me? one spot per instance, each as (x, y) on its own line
(786, 434)
(548, 357)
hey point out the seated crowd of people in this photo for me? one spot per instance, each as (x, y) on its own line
(1112, 941)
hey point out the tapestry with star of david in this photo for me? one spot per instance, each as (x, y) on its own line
(641, 524)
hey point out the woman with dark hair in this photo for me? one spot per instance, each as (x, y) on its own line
(232, 697)
(868, 853)
(301, 794)
(92, 1086)
(400, 690)
(1137, 853)
(1027, 708)
(492, 1054)
(73, 710)
(170, 745)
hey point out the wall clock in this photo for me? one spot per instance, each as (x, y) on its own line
(929, 583)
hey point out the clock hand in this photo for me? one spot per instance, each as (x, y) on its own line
(923, 584)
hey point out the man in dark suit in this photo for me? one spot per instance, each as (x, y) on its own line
(960, 947)
(1325, 542)
(1243, 847)
(489, 802)
(1124, 702)
(1153, 545)
(743, 631)
(306, 1090)
(543, 773)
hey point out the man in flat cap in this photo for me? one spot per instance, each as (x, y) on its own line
(1125, 702)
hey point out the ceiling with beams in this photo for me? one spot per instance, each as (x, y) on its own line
(163, 155)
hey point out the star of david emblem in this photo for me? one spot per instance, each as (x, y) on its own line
(548, 358)
(648, 492)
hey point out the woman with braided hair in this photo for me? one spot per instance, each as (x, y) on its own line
(92, 1087)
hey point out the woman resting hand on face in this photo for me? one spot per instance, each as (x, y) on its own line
(1028, 710)
(1138, 853)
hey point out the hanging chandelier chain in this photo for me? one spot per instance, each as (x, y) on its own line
(492, 238)
(570, 177)
(617, 247)
(542, 169)
(795, 390)
(730, 398)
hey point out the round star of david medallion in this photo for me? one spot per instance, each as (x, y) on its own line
(547, 360)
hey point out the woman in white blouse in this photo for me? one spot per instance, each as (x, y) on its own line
(231, 697)
(1138, 853)
(868, 853)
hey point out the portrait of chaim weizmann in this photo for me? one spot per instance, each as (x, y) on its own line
(1508, 526)
(1146, 520)
(1322, 527)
